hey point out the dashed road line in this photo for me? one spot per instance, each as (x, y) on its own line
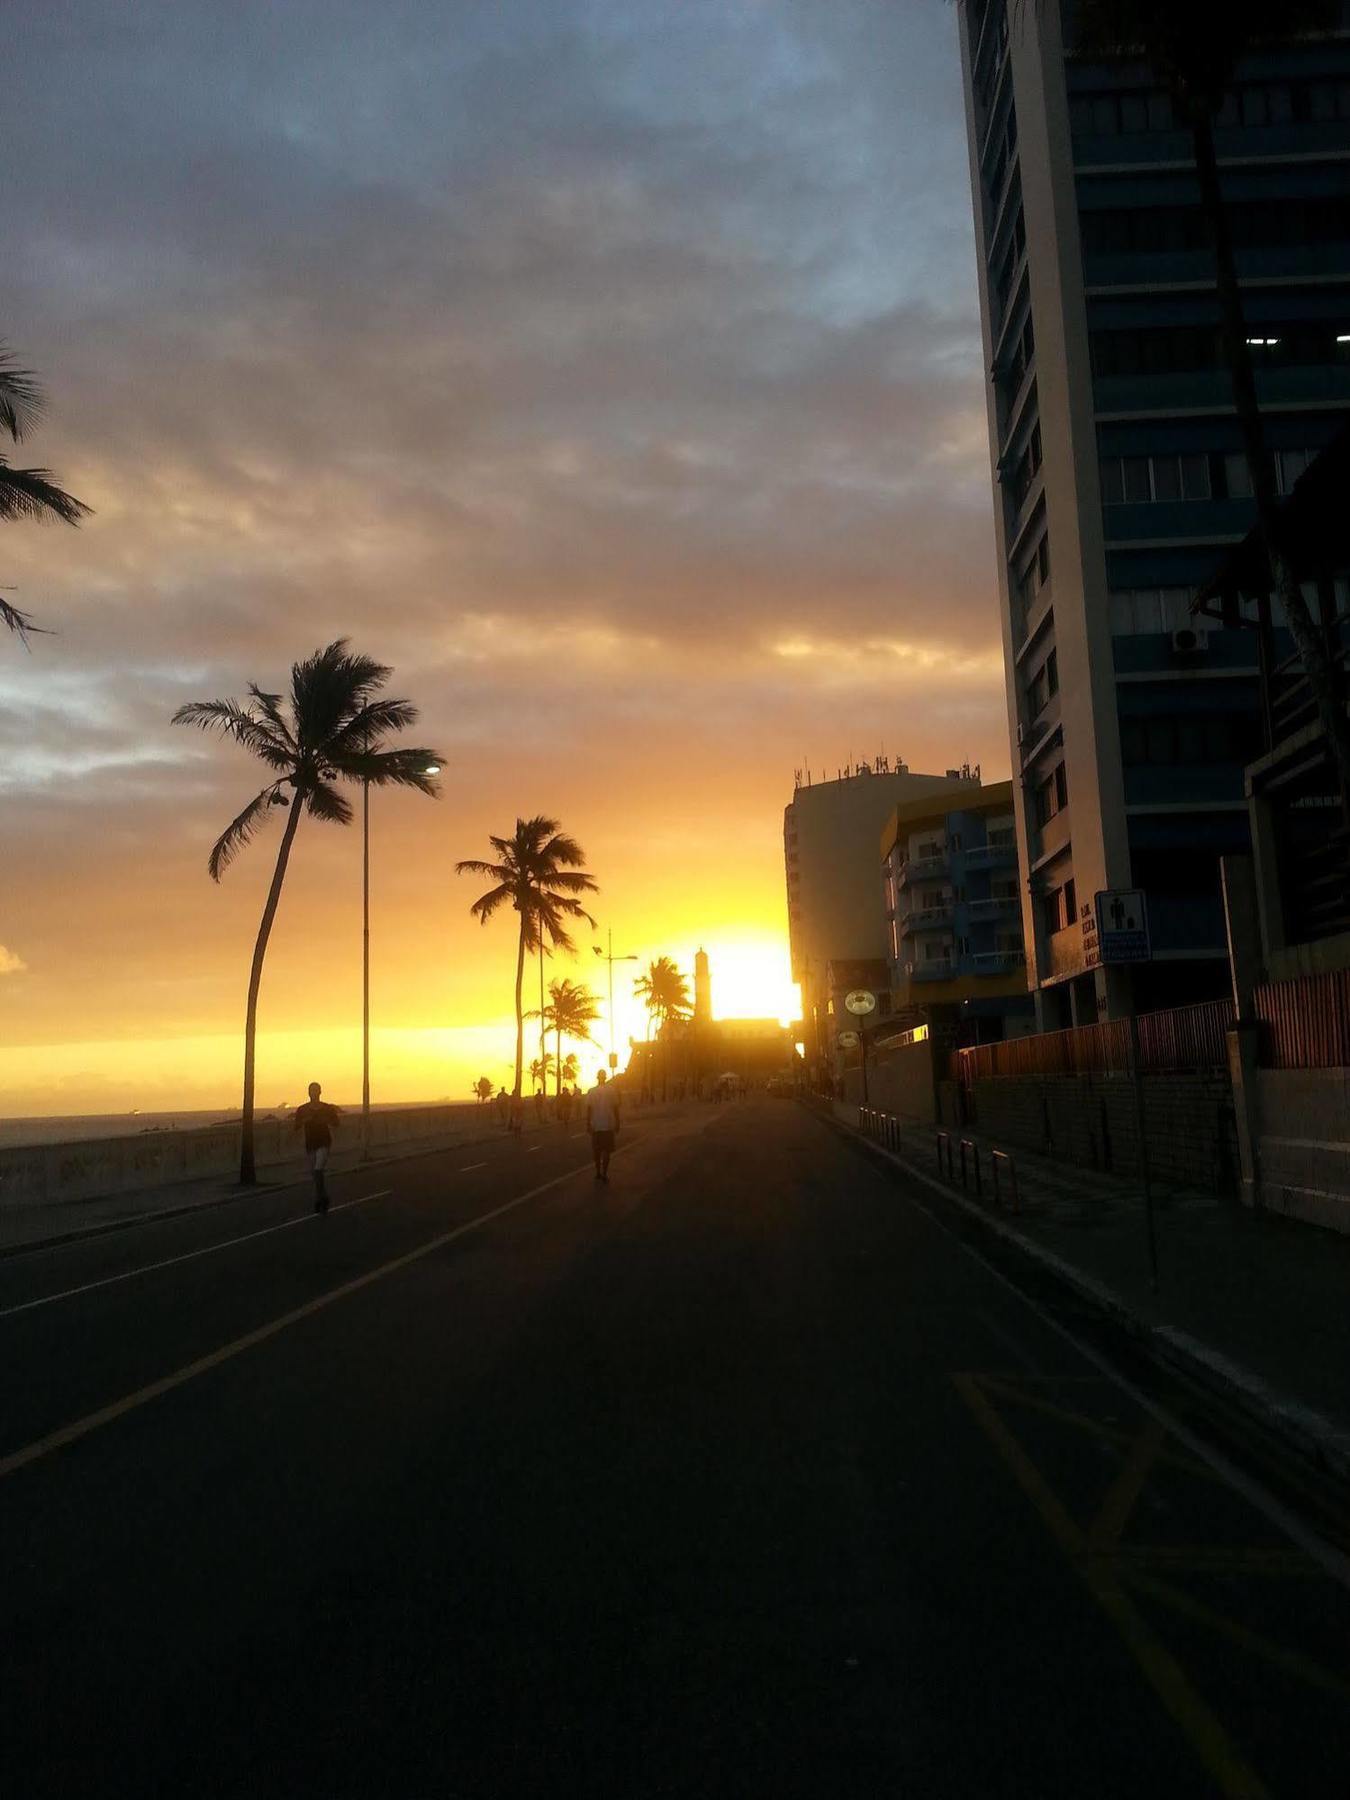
(168, 1262)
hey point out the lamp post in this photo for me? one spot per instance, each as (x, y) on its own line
(431, 769)
(611, 959)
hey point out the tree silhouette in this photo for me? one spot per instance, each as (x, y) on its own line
(539, 872)
(571, 1011)
(27, 493)
(664, 991)
(333, 727)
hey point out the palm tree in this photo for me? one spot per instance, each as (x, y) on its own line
(571, 1068)
(1195, 51)
(539, 872)
(664, 992)
(571, 1011)
(540, 1070)
(482, 1088)
(27, 493)
(333, 727)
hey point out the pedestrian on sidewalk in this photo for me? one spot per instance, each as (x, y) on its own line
(602, 1121)
(318, 1120)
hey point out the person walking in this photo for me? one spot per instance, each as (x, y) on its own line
(318, 1120)
(602, 1121)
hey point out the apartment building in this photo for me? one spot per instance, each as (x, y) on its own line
(830, 834)
(953, 905)
(1118, 474)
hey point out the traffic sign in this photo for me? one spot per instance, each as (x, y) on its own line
(1115, 928)
(861, 1002)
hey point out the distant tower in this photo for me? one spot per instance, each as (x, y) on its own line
(702, 989)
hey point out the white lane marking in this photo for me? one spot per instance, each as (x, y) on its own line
(530, 1149)
(1330, 1560)
(167, 1262)
(469, 1167)
(79, 1428)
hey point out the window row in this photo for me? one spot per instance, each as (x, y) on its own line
(1059, 908)
(1003, 281)
(1043, 686)
(1028, 466)
(1255, 224)
(1052, 795)
(1182, 349)
(1164, 740)
(1197, 475)
(1253, 103)
(1032, 578)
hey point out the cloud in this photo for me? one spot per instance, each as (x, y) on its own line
(10, 964)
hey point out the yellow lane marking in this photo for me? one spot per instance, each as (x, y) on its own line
(1291, 1661)
(1105, 1529)
(1109, 1434)
(1235, 1778)
(168, 1262)
(80, 1428)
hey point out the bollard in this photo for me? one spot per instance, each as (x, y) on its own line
(973, 1147)
(944, 1143)
(894, 1133)
(1004, 1169)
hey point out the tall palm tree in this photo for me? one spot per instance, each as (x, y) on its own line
(571, 1011)
(27, 493)
(334, 726)
(664, 991)
(1195, 51)
(539, 872)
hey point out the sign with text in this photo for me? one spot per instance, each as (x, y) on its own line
(861, 1002)
(1115, 928)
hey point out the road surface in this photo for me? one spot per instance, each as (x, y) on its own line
(740, 1476)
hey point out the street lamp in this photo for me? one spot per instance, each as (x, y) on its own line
(430, 769)
(611, 959)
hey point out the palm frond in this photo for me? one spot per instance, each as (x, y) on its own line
(22, 402)
(487, 904)
(371, 722)
(325, 802)
(20, 623)
(409, 766)
(328, 687)
(32, 494)
(239, 832)
(233, 720)
(269, 705)
(472, 866)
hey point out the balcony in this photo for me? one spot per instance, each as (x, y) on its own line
(996, 962)
(998, 906)
(939, 969)
(999, 851)
(921, 868)
(926, 918)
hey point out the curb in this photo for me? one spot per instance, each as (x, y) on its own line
(1296, 1428)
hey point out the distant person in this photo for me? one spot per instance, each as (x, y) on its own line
(502, 1104)
(565, 1106)
(602, 1121)
(318, 1120)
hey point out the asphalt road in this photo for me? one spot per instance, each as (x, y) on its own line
(740, 1476)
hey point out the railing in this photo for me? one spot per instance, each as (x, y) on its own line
(986, 856)
(938, 969)
(925, 918)
(1186, 1037)
(996, 962)
(1306, 1021)
(919, 867)
(994, 907)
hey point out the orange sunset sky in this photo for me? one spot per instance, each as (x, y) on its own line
(613, 372)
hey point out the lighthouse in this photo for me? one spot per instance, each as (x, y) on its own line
(702, 989)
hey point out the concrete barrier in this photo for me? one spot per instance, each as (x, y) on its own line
(90, 1168)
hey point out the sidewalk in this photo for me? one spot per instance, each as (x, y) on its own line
(1254, 1305)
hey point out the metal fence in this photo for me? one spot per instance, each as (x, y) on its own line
(1305, 1023)
(1184, 1037)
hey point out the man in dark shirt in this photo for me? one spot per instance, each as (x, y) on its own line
(318, 1121)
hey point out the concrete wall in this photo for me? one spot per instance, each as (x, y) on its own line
(1091, 1120)
(1302, 1121)
(90, 1168)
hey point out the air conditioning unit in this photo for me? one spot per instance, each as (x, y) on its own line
(1190, 640)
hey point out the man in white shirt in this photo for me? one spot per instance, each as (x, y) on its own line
(602, 1121)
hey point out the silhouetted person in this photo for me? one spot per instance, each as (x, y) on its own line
(318, 1121)
(503, 1105)
(565, 1106)
(602, 1121)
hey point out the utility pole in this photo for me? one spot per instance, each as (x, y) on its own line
(611, 959)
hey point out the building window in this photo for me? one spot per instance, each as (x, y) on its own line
(1139, 480)
(1052, 795)
(1141, 612)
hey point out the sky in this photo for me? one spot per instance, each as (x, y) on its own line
(610, 369)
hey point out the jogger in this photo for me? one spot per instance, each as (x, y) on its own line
(318, 1121)
(602, 1121)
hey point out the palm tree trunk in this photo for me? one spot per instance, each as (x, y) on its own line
(1308, 640)
(247, 1168)
(520, 1017)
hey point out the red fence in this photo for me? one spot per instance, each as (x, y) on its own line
(1185, 1037)
(1305, 1022)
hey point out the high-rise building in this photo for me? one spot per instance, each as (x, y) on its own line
(1118, 467)
(831, 845)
